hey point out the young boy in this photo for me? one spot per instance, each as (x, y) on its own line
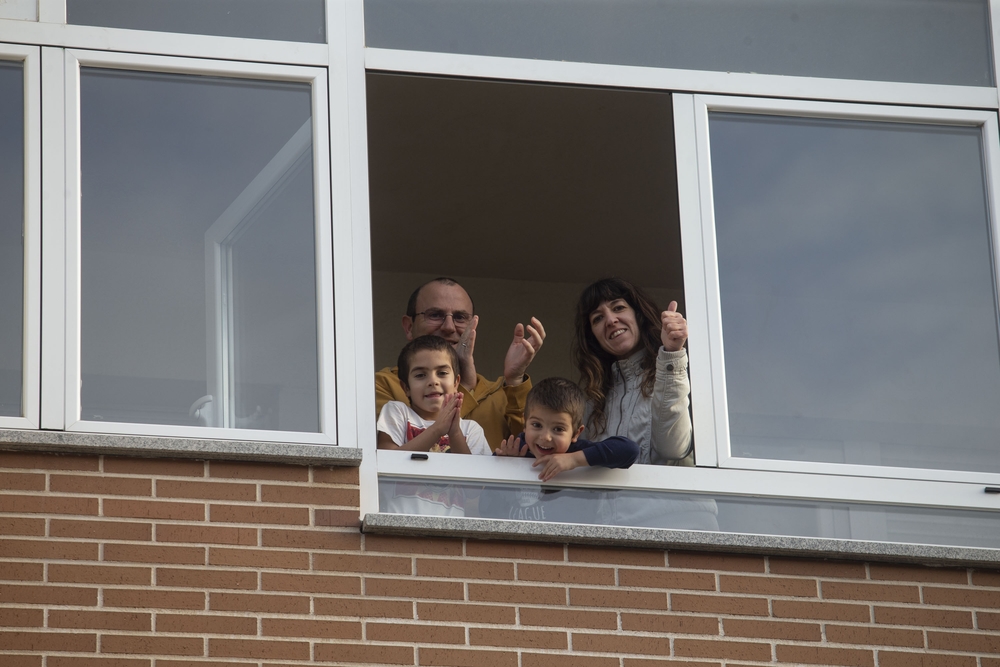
(553, 422)
(430, 423)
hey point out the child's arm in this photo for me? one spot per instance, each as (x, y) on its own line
(451, 415)
(392, 430)
(553, 464)
(615, 452)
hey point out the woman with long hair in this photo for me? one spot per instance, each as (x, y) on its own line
(633, 368)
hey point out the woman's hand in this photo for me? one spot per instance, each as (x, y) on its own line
(512, 447)
(674, 328)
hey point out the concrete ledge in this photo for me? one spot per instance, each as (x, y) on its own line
(186, 448)
(658, 538)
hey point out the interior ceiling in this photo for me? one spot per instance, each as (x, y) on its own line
(537, 182)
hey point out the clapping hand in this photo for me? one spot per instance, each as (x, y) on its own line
(512, 447)
(522, 350)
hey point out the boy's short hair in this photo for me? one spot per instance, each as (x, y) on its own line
(558, 395)
(428, 342)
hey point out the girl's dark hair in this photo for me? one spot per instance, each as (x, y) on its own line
(594, 362)
(428, 342)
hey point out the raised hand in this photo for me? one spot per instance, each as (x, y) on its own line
(522, 350)
(465, 348)
(512, 447)
(674, 328)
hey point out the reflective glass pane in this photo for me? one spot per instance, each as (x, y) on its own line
(198, 253)
(857, 285)
(286, 20)
(11, 243)
(922, 41)
(716, 513)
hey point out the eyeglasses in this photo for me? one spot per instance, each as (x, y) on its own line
(438, 316)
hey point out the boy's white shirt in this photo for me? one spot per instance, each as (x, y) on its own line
(394, 417)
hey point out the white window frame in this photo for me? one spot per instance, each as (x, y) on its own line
(30, 59)
(69, 231)
(717, 475)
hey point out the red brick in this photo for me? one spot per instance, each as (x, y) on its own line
(48, 549)
(206, 578)
(22, 481)
(279, 516)
(338, 475)
(16, 504)
(101, 486)
(645, 662)
(202, 624)
(817, 568)
(962, 597)
(21, 526)
(668, 579)
(618, 598)
(842, 590)
(61, 642)
(100, 574)
(154, 553)
(349, 517)
(537, 639)
(451, 657)
(413, 545)
(704, 561)
(754, 629)
(265, 559)
(322, 540)
(616, 643)
(719, 604)
(21, 572)
(771, 585)
(683, 624)
(922, 616)
(205, 534)
(11, 660)
(893, 659)
(12, 617)
(176, 488)
(717, 648)
(287, 627)
(362, 563)
(154, 509)
(415, 588)
(368, 654)
(248, 470)
(922, 573)
(985, 620)
(311, 583)
(48, 594)
(102, 661)
(464, 569)
(154, 467)
(160, 662)
(868, 636)
(816, 655)
(261, 649)
(565, 574)
(415, 634)
(617, 556)
(466, 613)
(363, 608)
(965, 641)
(101, 530)
(35, 461)
(823, 611)
(99, 620)
(310, 495)
(275, 604)
(986, 578)
(147, 599)
(564, 618)
(556, 660)
(515, 550)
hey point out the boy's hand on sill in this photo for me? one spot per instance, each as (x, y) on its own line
(553, 464)
(465, 349)
(527, 341)
(511, 447)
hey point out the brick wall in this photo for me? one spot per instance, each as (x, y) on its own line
(119, 562)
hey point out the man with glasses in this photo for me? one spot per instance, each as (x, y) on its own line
(443, 308)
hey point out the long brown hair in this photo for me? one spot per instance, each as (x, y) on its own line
(594, 362)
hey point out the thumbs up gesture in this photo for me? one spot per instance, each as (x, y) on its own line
(674, 329)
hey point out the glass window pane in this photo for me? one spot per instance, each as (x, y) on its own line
(287, 20)
(857, 285)
(923, 41)
(11, 241)
(198, 253)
